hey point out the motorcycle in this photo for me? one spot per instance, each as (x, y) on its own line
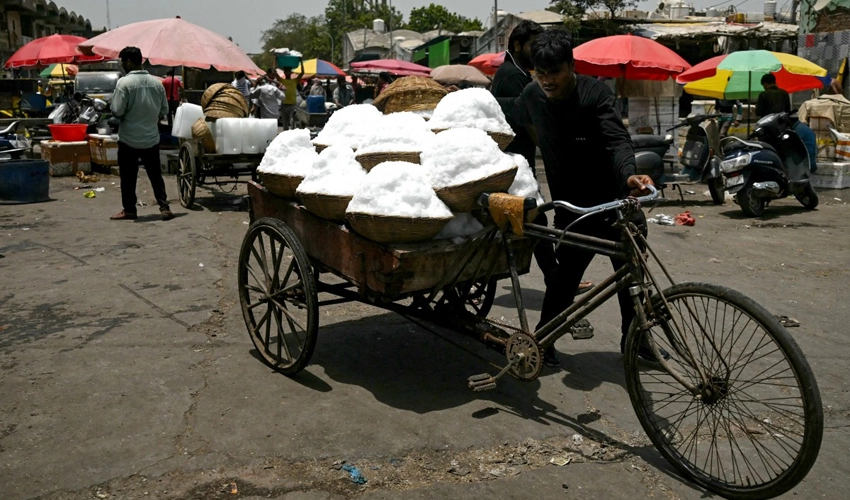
(80, 108)
(649, 155)
(773, 166)
(12, 145)
(701, 153)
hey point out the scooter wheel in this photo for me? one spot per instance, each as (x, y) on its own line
(716, 190)
(751, 204)
(809, 198)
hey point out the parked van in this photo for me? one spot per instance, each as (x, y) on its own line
(97, 84)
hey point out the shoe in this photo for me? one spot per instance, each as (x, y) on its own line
(122, 215)
(584, 286)
(166, 214)
(550, 357)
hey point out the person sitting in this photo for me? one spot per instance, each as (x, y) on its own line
(773, 99)
(316, 88)
(343, 93)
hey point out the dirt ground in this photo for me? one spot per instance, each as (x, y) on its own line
(127, 372)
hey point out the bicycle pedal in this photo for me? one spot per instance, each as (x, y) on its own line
(582, 330)
(482, 382)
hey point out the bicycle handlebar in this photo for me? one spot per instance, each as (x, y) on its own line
(611, 205)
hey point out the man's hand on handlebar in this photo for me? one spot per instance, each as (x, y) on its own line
(638, 183)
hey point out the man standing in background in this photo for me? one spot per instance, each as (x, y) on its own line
(139, 101)
(173, 92)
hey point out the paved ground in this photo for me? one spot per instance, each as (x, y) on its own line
(127, 372)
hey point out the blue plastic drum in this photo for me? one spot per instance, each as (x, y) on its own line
(315, 104)
(24, 181)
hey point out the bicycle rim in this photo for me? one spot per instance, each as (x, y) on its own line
(756, 427)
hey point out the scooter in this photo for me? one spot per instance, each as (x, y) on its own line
(649, 155)
(773, 166)
(12, 145)
(701, 153)
(80, 109)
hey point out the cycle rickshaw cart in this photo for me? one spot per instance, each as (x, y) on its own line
(729, 401)
(196, 166)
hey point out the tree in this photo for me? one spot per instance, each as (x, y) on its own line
(306, 35)
(436, 16)
(574, 11)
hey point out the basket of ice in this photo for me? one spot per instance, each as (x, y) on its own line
(410, 93)
(288, 159)
(398, 137)
(473, 108)
(349, 126)
(463, 163)
(329, 186)
(395, 204)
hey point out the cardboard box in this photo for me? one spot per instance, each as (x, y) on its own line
(104, 150)
(831, 175)
(66, 158)
(826, 145)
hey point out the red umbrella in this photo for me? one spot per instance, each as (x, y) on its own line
(173, 42)
(628, 56)
(488, 63)
(393, 66)
(53, 49)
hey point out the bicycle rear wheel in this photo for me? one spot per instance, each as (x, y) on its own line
(755, 429)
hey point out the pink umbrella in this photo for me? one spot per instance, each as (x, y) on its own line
(53, 49)
(173, 42)
(393, 66)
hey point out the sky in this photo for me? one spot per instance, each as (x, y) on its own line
(245, 21)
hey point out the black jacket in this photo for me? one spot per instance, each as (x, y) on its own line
(587, 152)
(507, 85)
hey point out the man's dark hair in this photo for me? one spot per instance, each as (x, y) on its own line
(132, 54)
(551, 49)
(523, 32)
(240, 74)
(768, 79)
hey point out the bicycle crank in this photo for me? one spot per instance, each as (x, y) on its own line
(525, 361)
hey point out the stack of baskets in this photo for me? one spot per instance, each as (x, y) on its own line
(410, 93)
(222, 100)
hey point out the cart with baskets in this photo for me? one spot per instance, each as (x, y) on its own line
(196, 167)
(726, 397)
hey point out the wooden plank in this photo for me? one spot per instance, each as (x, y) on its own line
(385, 272)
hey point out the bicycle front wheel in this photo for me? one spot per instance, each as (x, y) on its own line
(754, 428)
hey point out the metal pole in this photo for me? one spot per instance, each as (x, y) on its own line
(496, 25)
(391, 29)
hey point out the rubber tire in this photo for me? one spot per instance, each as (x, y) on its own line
(750, 206)
(809, 199)
(187, 176)
(808, 389)
(716, 190)
(304, 269)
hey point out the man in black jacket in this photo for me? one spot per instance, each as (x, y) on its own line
(508, 83)
(589, 160)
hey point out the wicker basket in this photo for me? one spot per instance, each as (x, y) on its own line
(464, 197)
(281, 185)
(410, 93)
(369, 160)
(222, 100)
(320, 147)
(393, 229)
(202, 132)
(503, 140)
(326, 206)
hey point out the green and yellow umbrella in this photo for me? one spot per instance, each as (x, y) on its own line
(738, 75)
(59, 71)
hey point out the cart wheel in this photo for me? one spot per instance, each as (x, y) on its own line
(478, 297)
(526, 346)
(187, 176)
(278, 295)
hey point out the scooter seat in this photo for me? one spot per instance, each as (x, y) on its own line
(646, 141)
(740, 144)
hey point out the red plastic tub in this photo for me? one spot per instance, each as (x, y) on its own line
(68, 132)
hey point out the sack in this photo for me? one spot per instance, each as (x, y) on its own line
(842, 144)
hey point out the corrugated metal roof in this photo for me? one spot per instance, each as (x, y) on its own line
(684, 29)
(542, 17)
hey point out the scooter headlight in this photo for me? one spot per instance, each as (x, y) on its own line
(735, 164)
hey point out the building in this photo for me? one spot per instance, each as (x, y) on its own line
(824, 35)
(495, 39)
(22, 21)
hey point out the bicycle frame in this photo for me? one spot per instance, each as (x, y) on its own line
(635, 276)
